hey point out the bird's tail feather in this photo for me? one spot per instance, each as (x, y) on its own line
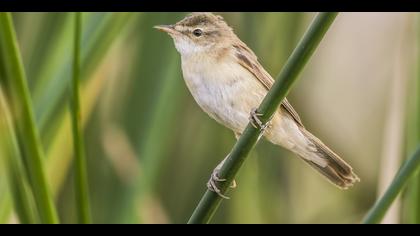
(336, 169)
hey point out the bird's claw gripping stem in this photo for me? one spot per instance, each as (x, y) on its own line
(257, 123)
(214, 179)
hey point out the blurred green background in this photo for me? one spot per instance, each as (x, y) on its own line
(150, 149)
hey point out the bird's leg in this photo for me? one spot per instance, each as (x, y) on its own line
(214, 178)
(257, 123)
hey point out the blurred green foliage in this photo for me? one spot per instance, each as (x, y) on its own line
(150, 149)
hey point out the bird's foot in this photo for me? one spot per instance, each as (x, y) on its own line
(214, 179)
(256, 122)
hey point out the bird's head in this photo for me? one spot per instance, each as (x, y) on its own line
(198, 33)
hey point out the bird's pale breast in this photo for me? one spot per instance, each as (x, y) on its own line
(223, 89)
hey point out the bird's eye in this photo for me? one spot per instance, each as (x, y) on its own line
(197, 32)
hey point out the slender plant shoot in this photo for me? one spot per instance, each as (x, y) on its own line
(21, 103)
(81, 178)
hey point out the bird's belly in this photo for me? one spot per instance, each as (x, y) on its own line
(228, 100)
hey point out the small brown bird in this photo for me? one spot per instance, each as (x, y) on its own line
(228, 83)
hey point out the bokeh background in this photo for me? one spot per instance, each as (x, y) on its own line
(150, 148)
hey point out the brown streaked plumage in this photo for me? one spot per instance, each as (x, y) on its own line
(227, 81)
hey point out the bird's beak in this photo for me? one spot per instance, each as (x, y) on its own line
(170, 29)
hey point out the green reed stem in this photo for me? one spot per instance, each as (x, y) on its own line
(415, 195)
(80, 175)
(408, 169)
(288, 75)
(22, 111)
(411, 207)
(14, 167)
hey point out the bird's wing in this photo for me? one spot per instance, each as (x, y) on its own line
(249, 61)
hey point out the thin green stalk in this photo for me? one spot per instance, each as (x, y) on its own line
(409, 168)
(14, 167)
(412, 200)
(288, 75)
(50, 89)
(23, 114)
(80, 176)
(415, 196)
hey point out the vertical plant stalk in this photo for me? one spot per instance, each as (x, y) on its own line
(80, 175)
(392, 144)
(409, 168)
(414, 201)
(21, 103)
(417, 200)
(288, 75)
(14, 167)
(411, 204)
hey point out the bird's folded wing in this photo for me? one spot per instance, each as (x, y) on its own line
(249, 61)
